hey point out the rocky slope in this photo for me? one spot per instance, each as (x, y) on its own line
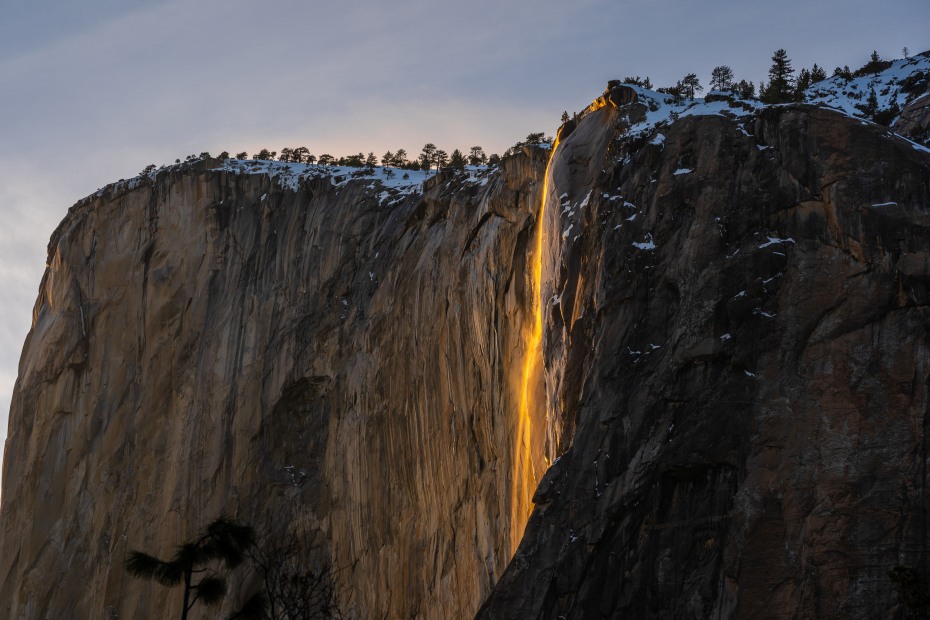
(900, 89)
(737, 364)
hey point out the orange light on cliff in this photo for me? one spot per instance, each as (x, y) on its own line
(524, 473)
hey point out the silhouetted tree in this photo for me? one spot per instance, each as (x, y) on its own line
(242, 155)
(565, 117)
(223, 541)
(871, 104)
(886, 117)
(844, 73)
(286, 154)
(721, 78)
(691, 85)
(675, 91)
(301, 155)
(875, 65)
(535, 138)
(427, 155)
(148, 169)
(297, 579)
(636, 81)
(494, 159)
(440, 159)
(223, 156)
(457, 160)
(477, 157)
(801, 85)
(355, 161)
(780, 88)
(818, 74)
(326, 159)
(400, 159)
(744, 90)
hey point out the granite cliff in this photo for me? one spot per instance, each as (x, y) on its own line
(733, 311)
(312, 355)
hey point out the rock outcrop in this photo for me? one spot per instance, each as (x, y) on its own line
(738, 353)
(914, 121)
(734, 401)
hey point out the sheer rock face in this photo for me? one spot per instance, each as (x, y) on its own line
(209, 343)
(914, 121)
(738, 346)
(737, 353)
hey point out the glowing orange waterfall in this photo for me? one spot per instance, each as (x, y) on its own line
(524, 473)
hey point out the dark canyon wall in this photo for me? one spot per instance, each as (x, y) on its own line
(738, 344)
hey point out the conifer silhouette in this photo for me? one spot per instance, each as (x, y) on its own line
(223, 541)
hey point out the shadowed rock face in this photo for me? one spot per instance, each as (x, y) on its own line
(209, 343)
(914, 121)
(738, 348)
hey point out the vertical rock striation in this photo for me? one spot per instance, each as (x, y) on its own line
(738, 348)
(209, 343)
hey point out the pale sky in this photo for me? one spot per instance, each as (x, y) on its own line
(91, 92)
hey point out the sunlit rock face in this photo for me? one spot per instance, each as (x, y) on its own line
(328, 359)
(738, 354)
